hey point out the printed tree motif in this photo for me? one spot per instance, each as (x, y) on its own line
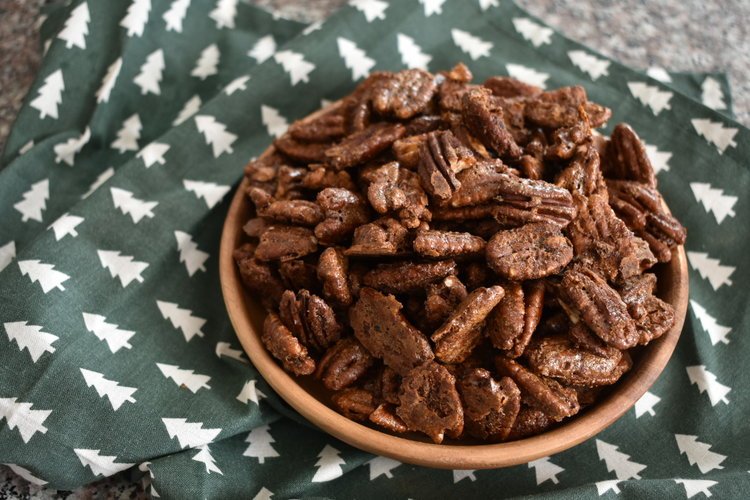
(34, 201)
(108, 82)
(411, 53)
(189, 434)
(263, 494)
(264, 48)
(239, 83)
(67, 151)
(696, 486)
(136, 208)
(659, 73)
(295, 65)
(707, 382)
(312, 27)
(175, 15)
(711, 94)
(100, 465)
(589, 64)
(459, 475)
(50, 95)
(645, 404)
(714, 200)
(31, 338)
(659, 159)
(207, 63)
(76, 27)
(259, 444)
(225, 349)
(210, 192)
(715, 133)
(7, 254)
(716, 332)
(603, 487)
(618, 462)
(545, 470)
(128, 135)
(216, 134)
(711, 269)
(185, 378)
(355, 58)
(651, 96)
(486, 4)
(474, 46)
(189, 253)
(372, 9)
(136, 17)
(329, 465)
(382, 466)
(204, 456)
(65, 225)
(527, 75)
(116, 393)
(535, 33)
(26, 474)
(699, 453)
(189, 109)
(115, 338)
(432, 7)
(144, 467)
(182, 319)
(26, 148)
(224, 14)
(100, 179)
(122, 266)
(21, 416)
(250, 393)
(151, 73)
(45, 274)
(275, 124)
(153, 153)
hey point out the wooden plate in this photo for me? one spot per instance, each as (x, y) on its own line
(310, 399)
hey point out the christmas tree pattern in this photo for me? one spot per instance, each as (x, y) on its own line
(645, 404)
(224, 14)
(527, 75)
(7, 254)
(295, 65)
(122, 266)
(100, 465)
(659, 159)
(216, 134)
(239, 83)
(67, 151)
(263, 494)
(712, 95)
(411, 53)
(108, 82)
(698, 453)
(263, 49)
(472, 45)
(711, 269)
(116, 393)
(185, 378)
(182, 319)
(45, 274)
(659, 73)
(101, 179)
(136, 17)
(372, 9)
(545, 470)
(589, 64)
(210, 192)
(716, 332)
(329, 465)
(312, 27)
(260, 444)
(31, 338)
(275, 124)
(128, 135)
(189, 434)
(151, 73)
(696, 486)
(26, 474)
(208, 62)
(250, 393)
(354, 58)
(716, 133)
(191, 107)
(76, 27)
(153, 153)
(23, 417)
(603, 487)
(50, 95)
(34, 201)
(115, 338)
(128, 204)
(382, 466)
(618, 462)
(708, 383)
(651, 96)
(26, 148)
(459, 475)
(189, 253)
(204, 456)
(432, 7)
(65, 225)
(535, 33)
(486, 4)
(225, 349)
(174, 16)
(714, 200)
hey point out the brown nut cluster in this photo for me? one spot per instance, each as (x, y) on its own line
(458, 260)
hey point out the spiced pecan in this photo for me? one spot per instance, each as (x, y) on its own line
(503, 86)
(394, 189)
(583, 176)
(441, 157)
(453, 87)
(653, 317)
(319, 177)
(343, 364)
(406, 150)
(298, 274)
(304, 152)
(423, 124)
(444, 244)
(385, 236)
(403, 94)
(289, 183)
(285, 347)
(280, 242)
(310, 318)
(475, 274)
(361, 146)
(565, 140)
(327, 127)
(626, 157)
(530, 422)
(490, 406)
(481, 184)
(525, 200)
(442, 298)
(255, 227)
(560, 108)
(344, 211)
(512, 323)
(297, 212)
(530, 252)
(258, 277)
(385, 416)
(404, 277)
(354, 403)
(486, 120)
(332, 273)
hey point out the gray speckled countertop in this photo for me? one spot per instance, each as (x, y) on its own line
(678, 35)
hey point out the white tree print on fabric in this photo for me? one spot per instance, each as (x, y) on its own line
(210, 192)
(76, 27)
(329, 465)
(128, 204)
(645, 404)
(204, 456)
(100, 465)
(372, 9)
(716, 332)
(486, 4)
(67, 151)
(294, 65)
(535, 33)
(26, 474)
(208, 62)
(603, 487)
(26, 148)
(714, 200)
(528, 75)
(259, 444)
(264, 48)
(354, 58)
(22, 417)
(189, 253)
(189, 434)
(153, 153)
(7, 254)
(659, 73)
(432, 7)
(461, 474)
(122, 266)
(696, 486)
(711, 269)
(411, 53)
(112, 390)
(185, 378)
(659, 159)
(250, 393)
(49, 95)
(100, 179)
(136, 17)
(472, 45)
(382, 466)
(275, 124)
(239, 83)
(128, 135)
(65, 225)
(182, 319)
(589, 64)
(263, 494)
(34, 201)
(45, 274)
(216, 134)
(618, 462)
(651, 96)
(712, 95)
(699, 454)
(225, 349)
(151, 73)
(191, 107)
(115, 337)
(708, 383)
(545, 470)
(716, 133)
(175, 15)
(108, 82)
(224, 14)
(31, 338)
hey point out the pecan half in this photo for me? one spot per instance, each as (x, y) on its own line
(403, 94)
(560, 108)
(442, 298)
(258, 277)
(385, 416)
(332, 272)
(325, 128)
(503, 86)
(398, 190)
(530, 252)
(354, 403)
(523, 201)
(530, 422)
(296, 212)
(490, 406)
(512, 323)
(404, 277)
(304, 152)
(343, 364)
(344, 212)
(485, 119)
(385, 236)
(298, 274)
(310, 318)
(443, 244)
(319, 177)
(441, 157)
(286, 243)
(361, 146)
(406, 150)
(285, 347)
(626, 157)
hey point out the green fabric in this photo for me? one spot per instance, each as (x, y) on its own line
(75, 346)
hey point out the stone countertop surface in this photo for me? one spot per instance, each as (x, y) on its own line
(678, 35)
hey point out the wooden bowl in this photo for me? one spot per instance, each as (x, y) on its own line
(311, 400)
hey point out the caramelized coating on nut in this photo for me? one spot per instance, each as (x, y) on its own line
(343, 364)
(403, 277)
(490, 406)
(333, 273)
(444, 244)
(530, 252)
(285, 347)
